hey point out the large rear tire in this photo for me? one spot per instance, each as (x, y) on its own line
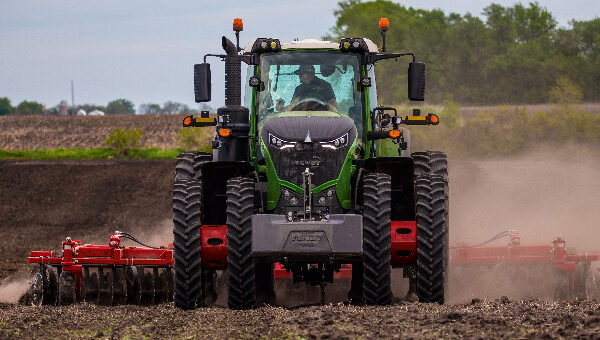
(435, 163)
(377, 198)
(240, 264)
(431, 162)
(187, 220)
(431, 238)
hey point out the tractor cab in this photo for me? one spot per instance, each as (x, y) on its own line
(307, 77)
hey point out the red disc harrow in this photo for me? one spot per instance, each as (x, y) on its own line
(573, 275)
(105, 274)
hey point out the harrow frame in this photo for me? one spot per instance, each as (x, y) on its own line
(554, 254)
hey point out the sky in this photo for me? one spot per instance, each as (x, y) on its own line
(144, 50)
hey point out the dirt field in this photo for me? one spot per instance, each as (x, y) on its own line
(489, 319)
(541, 195)
(47, 132)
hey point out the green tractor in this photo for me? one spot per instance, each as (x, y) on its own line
(309, 176)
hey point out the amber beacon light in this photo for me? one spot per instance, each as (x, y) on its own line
(384, 24)
(238, 25)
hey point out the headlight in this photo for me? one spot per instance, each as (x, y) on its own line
(280, 143)
(263, 45)
(337, 143)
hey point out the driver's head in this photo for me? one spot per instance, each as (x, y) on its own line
(306, 73)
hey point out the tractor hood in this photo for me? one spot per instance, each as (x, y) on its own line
(318, 126)
(318, 141)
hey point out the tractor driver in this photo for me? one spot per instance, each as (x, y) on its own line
(310, 87)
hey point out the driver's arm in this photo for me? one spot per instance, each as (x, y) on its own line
(295, 99)
(280, 107)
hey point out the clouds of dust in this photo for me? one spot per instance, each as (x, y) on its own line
(542, 194)
(156, 235)
(12, 289)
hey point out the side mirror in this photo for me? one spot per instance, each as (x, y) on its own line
(416, 81)
(202, 82)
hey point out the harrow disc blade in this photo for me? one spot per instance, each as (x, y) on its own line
(147, 287)
(90, 285)
(66, 289)
(44, 287)
(162, 285)
(119, 287)
(170, 284)
(105, 292)
(133, 285)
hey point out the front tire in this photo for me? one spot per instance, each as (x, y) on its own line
(377, 270)
(187, 220)
(431, 238)
(240, 264)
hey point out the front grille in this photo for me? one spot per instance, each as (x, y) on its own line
(325, 164)
(297, 143)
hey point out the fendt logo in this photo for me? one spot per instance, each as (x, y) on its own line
(306, 239)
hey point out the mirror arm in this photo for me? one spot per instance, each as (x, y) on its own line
(222, 56)
(373, 58)
(248, 59)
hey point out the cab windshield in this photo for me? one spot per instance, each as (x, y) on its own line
(310, 81)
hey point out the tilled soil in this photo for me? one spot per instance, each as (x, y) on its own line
(43, 202)
(479, 319)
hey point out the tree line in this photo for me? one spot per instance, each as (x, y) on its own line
(117, 106)
(513, 55)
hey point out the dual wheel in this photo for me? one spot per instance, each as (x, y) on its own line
(432, 205)
(194, 286)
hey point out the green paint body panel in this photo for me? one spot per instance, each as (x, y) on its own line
(273, 186)
(367, 120)
(344, 190)
(291, 186)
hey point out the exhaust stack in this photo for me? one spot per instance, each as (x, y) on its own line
(233, 116)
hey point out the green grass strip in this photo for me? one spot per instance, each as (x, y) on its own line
(94, 153)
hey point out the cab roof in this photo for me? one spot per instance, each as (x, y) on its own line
(312, 44)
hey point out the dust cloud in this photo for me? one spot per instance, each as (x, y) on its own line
(542, 194)
(156, 235)
(13, 288)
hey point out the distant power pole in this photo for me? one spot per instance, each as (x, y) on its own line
(73, 99)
